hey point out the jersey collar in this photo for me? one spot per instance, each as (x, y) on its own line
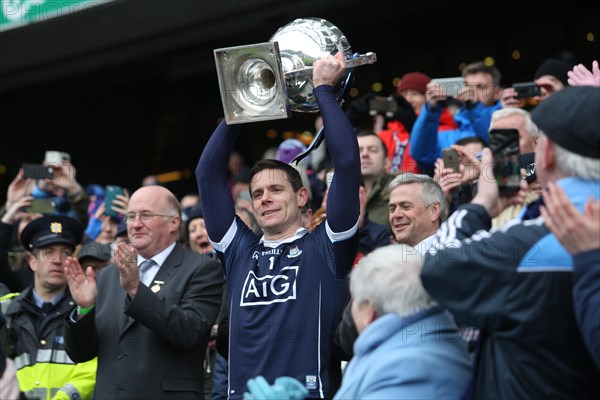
(275, 243)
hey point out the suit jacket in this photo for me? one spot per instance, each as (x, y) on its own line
(151, 346)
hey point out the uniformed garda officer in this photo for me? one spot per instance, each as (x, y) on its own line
(34, 328)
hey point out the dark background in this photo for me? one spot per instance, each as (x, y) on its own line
(129, 88)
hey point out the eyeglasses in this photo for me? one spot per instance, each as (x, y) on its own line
(145, 216)
(55, 253)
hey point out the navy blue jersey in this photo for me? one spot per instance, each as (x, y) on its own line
(285, 300)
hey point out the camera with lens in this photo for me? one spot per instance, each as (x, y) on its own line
(525, 90)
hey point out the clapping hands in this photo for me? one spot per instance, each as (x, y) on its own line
(581, 76)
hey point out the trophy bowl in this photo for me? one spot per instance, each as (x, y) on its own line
(301, 43)
(267, 81)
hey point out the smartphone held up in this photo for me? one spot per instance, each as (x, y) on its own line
(111, 193)
(504, 144)
(37, 171)
(42, 206)
(525, 90)
(451, 161)
(451, 86)
(56, 157)
(383, 105)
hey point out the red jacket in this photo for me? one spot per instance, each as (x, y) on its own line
(404, 162)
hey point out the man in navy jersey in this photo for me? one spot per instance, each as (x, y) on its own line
(286, 289)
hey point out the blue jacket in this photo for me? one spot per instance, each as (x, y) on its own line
(426, 142)
(420, 357)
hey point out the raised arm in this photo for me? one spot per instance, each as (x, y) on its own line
(342, 201)
(424, 133)
(211, 173)
(17, 280)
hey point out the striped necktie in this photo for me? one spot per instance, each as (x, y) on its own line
(144, 268)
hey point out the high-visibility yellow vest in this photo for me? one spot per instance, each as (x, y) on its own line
(44, 370)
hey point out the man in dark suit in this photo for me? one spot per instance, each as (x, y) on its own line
(148, 324)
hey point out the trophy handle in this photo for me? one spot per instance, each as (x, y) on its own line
(360, 59)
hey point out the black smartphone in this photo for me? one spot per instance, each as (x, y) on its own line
(526, 90)
(451, 159)
(42, 206)
(37, 171)
(110, 193)
(504, 144)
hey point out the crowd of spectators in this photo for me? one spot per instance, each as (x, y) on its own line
(405, 277)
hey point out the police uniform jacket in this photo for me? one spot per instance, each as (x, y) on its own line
(36, 342)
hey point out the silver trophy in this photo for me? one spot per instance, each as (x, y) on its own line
(267, 81)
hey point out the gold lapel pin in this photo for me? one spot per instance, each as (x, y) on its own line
(156, 287)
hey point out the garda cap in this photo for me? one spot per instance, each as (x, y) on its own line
(51, 229)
